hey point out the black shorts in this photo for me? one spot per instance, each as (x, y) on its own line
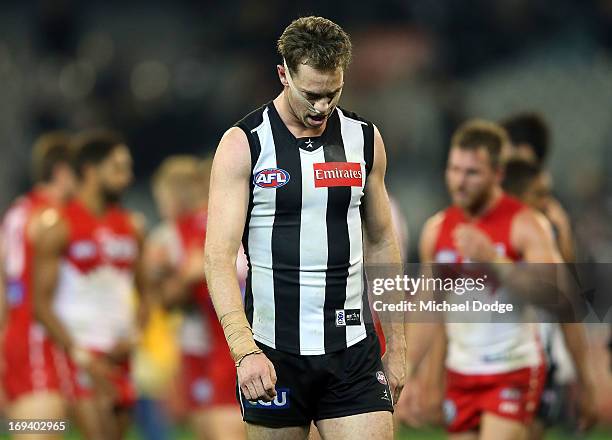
(311, 388)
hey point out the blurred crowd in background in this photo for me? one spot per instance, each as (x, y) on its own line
(173, 76)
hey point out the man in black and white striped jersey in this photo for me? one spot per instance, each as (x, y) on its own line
(300, 182)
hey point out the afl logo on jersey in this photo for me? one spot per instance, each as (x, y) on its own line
(271, 178)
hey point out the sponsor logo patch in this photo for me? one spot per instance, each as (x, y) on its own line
(348, 317)
(340, 320)
(510, 394)
(509, 407)
(385, 396)
(329, 174)
(271, 178)
(281, 401)
(83, 250)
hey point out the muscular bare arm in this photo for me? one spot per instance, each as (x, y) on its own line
(50, 237)
(227, 210)
(532, 237)
(422, 335)
(382, 248)
(425, 344)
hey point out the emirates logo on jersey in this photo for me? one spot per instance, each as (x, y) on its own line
(330, 174)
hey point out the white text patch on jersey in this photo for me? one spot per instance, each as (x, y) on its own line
(330, 174)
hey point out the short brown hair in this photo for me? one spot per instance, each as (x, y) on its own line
(478, 133)
(177, 171)
(50, 149)
(317, 42)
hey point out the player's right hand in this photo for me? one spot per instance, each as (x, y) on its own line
(408, 406)
(257, 377)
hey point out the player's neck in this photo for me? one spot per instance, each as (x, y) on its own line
(293, 123)
(485, 207)
(93, 200)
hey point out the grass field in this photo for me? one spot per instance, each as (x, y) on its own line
(405, 434)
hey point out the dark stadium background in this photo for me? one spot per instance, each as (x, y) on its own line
(173, 76)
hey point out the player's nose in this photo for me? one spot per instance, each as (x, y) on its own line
(322, 105)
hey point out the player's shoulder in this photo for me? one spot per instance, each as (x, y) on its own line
(252, 120)
(529, 219)
(234, 154)
(26, 201)
(49, 222)
(353, 117)
(429, 236)
(433, 224)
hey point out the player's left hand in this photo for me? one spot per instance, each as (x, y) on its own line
(474, 244)
(394, 365)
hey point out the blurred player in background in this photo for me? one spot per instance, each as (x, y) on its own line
(527, 181)
(530, 140)
(495, 372)
(87, 266)
(175, 257)
(29, 359)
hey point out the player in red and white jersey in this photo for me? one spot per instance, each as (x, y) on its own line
(175, 252)
(494, 371)
(88, 264)
(29, 375)
(566, 344)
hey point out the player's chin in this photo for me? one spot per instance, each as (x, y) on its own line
(462, 201)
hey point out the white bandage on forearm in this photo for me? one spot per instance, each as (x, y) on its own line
(239, 335)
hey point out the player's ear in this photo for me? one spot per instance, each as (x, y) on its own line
(281, 75)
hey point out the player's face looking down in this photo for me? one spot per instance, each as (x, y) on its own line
(312, 94)
(470, 177)
(115, 173)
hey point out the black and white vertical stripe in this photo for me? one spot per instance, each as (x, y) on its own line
(304, 244)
